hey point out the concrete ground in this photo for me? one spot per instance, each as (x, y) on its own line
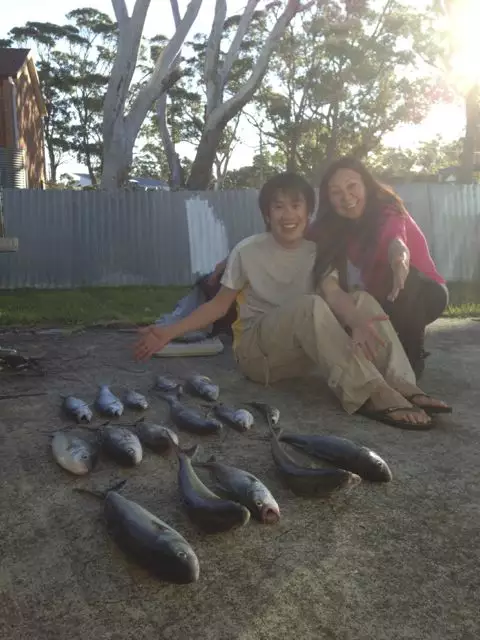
(385, 562)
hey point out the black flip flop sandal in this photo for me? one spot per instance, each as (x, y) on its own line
(429, 410)
(383, 415)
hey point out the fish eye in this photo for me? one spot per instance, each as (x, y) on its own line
(84, 456)
(259, 503)
(181, 554)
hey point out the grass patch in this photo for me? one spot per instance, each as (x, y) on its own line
(142, 305)
(86, 307)
(464, 300)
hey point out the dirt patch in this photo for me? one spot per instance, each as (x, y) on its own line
(385, 561)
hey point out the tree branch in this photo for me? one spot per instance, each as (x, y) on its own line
(212, 54)
(121, 12)
(129, 37)
(165, 73)
(232, 53)
(222, 112)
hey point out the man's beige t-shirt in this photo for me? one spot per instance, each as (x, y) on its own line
(266, 276)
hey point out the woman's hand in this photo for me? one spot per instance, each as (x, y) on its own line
(366, 338)
(153, 338)
(400, 268)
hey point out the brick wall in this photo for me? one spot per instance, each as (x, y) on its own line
(30, 129)
(6, 115)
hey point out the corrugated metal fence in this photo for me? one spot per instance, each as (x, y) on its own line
(91, 238)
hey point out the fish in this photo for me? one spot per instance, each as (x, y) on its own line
(168, 385)
(203, 387)
(206, 510)
(73, 453)
(107, 403)
(245, 488)
(156, 437)
(134, 400)
(240, 419)
(267, 411)
(307, 481)
(122, 445)
(343, 453)
(78, 409)
(189, 419)
(151, 542)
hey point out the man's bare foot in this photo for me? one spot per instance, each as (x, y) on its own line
(385, 398)
(418, 397)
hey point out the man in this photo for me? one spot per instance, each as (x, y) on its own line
(284, 328)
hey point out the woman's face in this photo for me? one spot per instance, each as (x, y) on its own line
(347, 193)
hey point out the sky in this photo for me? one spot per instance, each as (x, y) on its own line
(445, 120)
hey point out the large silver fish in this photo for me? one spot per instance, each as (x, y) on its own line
(107, 403)
(78, 409)
(135, 400)
(208, 511)
(245, 488)
(152, 543)
(343, 453)
(73, 454)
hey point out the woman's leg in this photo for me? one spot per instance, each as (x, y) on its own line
(289, 340)
(420, 303)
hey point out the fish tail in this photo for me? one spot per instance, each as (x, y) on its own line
(102, 494)
(188, 453)
(203, 463)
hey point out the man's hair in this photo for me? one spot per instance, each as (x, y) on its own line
(288, 183)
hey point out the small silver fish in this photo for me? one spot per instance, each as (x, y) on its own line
(245, 488)
(107, 403)
(267, 411)
(156, 436)
(203, 386)
(73, 453)
(122, 445)
(78, 409)
(166, 384)
(240, 419)
(135, 400)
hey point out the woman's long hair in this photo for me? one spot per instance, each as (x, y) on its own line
(334, 231)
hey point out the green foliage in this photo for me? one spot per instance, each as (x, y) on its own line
(344, 74)
(341, 79)
(74, 62)
(428, 159)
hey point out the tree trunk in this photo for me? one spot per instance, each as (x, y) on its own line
(120, 130)
(219, 113)
(117, 159)
(471, 140)
(52, 162)
(201, 171)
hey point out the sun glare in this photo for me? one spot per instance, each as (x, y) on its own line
(464, 29)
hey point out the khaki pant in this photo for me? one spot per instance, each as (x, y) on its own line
(293, 339)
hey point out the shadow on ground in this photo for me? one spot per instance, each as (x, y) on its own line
(383, 562)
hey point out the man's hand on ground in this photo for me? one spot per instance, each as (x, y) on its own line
(153, 339)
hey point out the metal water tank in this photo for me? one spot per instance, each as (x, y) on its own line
(13, 173)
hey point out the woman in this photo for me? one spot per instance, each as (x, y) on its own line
(368, 239)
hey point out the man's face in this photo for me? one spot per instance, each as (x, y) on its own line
(288, 217)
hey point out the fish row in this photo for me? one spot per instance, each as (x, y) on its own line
(106, 403)
(121, 443)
